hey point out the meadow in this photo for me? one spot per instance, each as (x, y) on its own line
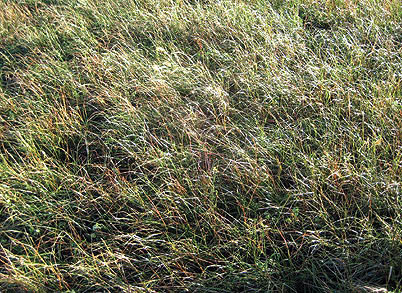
(200, 146)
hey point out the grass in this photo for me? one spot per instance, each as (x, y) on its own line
(203, 146)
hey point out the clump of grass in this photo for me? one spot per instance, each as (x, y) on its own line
(221, 146)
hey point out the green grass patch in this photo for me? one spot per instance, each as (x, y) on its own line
(208, 146)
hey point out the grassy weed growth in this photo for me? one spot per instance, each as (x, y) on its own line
(209, 146)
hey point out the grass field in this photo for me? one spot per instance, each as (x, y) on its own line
(201, 146)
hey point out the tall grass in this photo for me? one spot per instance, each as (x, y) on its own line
(209, 146)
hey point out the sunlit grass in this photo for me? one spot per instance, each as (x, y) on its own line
(213, 146)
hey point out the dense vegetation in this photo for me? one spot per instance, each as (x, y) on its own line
(211, 146)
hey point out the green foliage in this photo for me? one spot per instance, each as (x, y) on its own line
(213, 146)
